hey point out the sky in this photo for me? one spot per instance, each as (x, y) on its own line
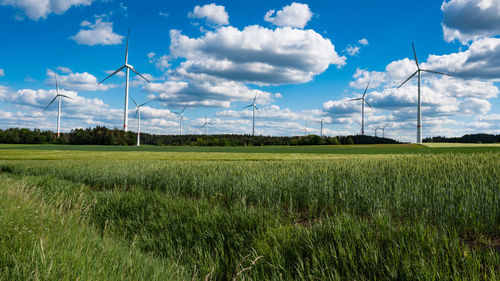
(301, 60)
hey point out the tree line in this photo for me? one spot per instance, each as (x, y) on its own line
(472, 138)
(105, 136)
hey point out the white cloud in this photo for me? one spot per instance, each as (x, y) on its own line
(468, 20)
(481, 60)
(255, 54)
(77, 81)
(214, 14)
(293, 15)
(98, 33)
(2, 72)
(207, 93)
(363, 42)
(161, 62)
(352, 50)
(40, 9)
(164, 14)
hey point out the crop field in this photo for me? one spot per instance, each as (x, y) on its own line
(398, 212)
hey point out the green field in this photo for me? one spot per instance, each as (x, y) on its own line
(388, 212)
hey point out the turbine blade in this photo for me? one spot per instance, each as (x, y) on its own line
(411, 76)
(436, 72)
(415, 54)
(248, 106)
(134, 101)
(255, 98)
(145, 103)
(204, 124)
(355, 99)
(256, 107)
(118, 70)
(50, 103)
(368, 104)
(126, 48)
(57, 87)
(65, 96)
(324, 116)
(183, 109)
(366, 88)
(136, 72)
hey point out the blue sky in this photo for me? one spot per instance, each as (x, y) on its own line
(303, 59)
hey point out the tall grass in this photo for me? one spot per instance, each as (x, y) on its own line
(389, 217)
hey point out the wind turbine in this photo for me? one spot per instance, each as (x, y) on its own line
(181, 119)
(59, 107)
(254, 107)
(375, 129)
(419, 105)
(321, 122)
(383, 130)
(138, 113)
(305, 128)
(128, 67)
(205, 124)
(363, 101)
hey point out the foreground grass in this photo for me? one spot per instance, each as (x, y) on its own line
(40, 241)
(355, 217)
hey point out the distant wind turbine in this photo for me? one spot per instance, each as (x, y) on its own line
(138, 114)
(128, 67)
(375, 129)
(181, 119)
(363, 101)
(383, 130)
(305, 128)
(59, 107)
(254, 107)
(205, 124)
(419, 105)
(321, 122)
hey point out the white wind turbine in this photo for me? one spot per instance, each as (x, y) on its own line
(181, 119)
(321, 122)
(59, 107)
(363, 101)
(138, 114)
(254, 107)
(305, 128)
(419, 103)
(128, 67)
(383, 130)
(205, 124)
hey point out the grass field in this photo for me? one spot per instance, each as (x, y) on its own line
(393, 212)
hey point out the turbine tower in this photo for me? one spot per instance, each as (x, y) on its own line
(419, 103)
(59, 107)
(375, 129)
(128, 67)
(138, 114)
(254, 107)
(181, 119)
(363, 101)
(305, 128)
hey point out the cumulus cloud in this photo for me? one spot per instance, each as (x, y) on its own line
(481, 60)
(352, 50)
(77, 81)
(293, 15)
(256, 54)
(40, 9)
(205, 93)
(363, 42)
(212, 13)
(467, 20)
(98, 33)
(2, 72)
